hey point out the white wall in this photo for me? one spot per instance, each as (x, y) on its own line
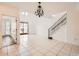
(31, 19)
(40, 26)
(61, 34)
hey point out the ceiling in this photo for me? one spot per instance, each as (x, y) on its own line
(48, 7)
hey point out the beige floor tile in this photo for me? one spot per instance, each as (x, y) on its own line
(32, 51)
(63, 54)
(38, 54)
(75, 50)
(4, 51)
(50, 54)
(36, 46)
(53, 49)
(12, 51)
(66, 50)
(58, 47)
(43, 51)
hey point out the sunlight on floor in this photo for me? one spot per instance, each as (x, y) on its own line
(23, 40)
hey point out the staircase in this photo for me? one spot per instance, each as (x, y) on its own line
(57, 25)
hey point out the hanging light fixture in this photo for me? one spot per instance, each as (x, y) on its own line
(39, 12)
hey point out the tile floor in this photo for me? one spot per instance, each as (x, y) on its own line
(37, 46)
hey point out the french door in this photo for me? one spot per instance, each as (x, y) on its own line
(9, 30)
(24, 28)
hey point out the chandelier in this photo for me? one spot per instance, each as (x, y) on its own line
(39, 12)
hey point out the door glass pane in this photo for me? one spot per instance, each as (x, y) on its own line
(7, 25)
(23, 27)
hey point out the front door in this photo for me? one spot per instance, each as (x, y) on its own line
(9, 30)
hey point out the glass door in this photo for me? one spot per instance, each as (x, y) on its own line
(24, 31)
(9, 30)
(24, 28)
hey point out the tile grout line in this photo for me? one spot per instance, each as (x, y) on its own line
(71, 50)
(60, 50)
